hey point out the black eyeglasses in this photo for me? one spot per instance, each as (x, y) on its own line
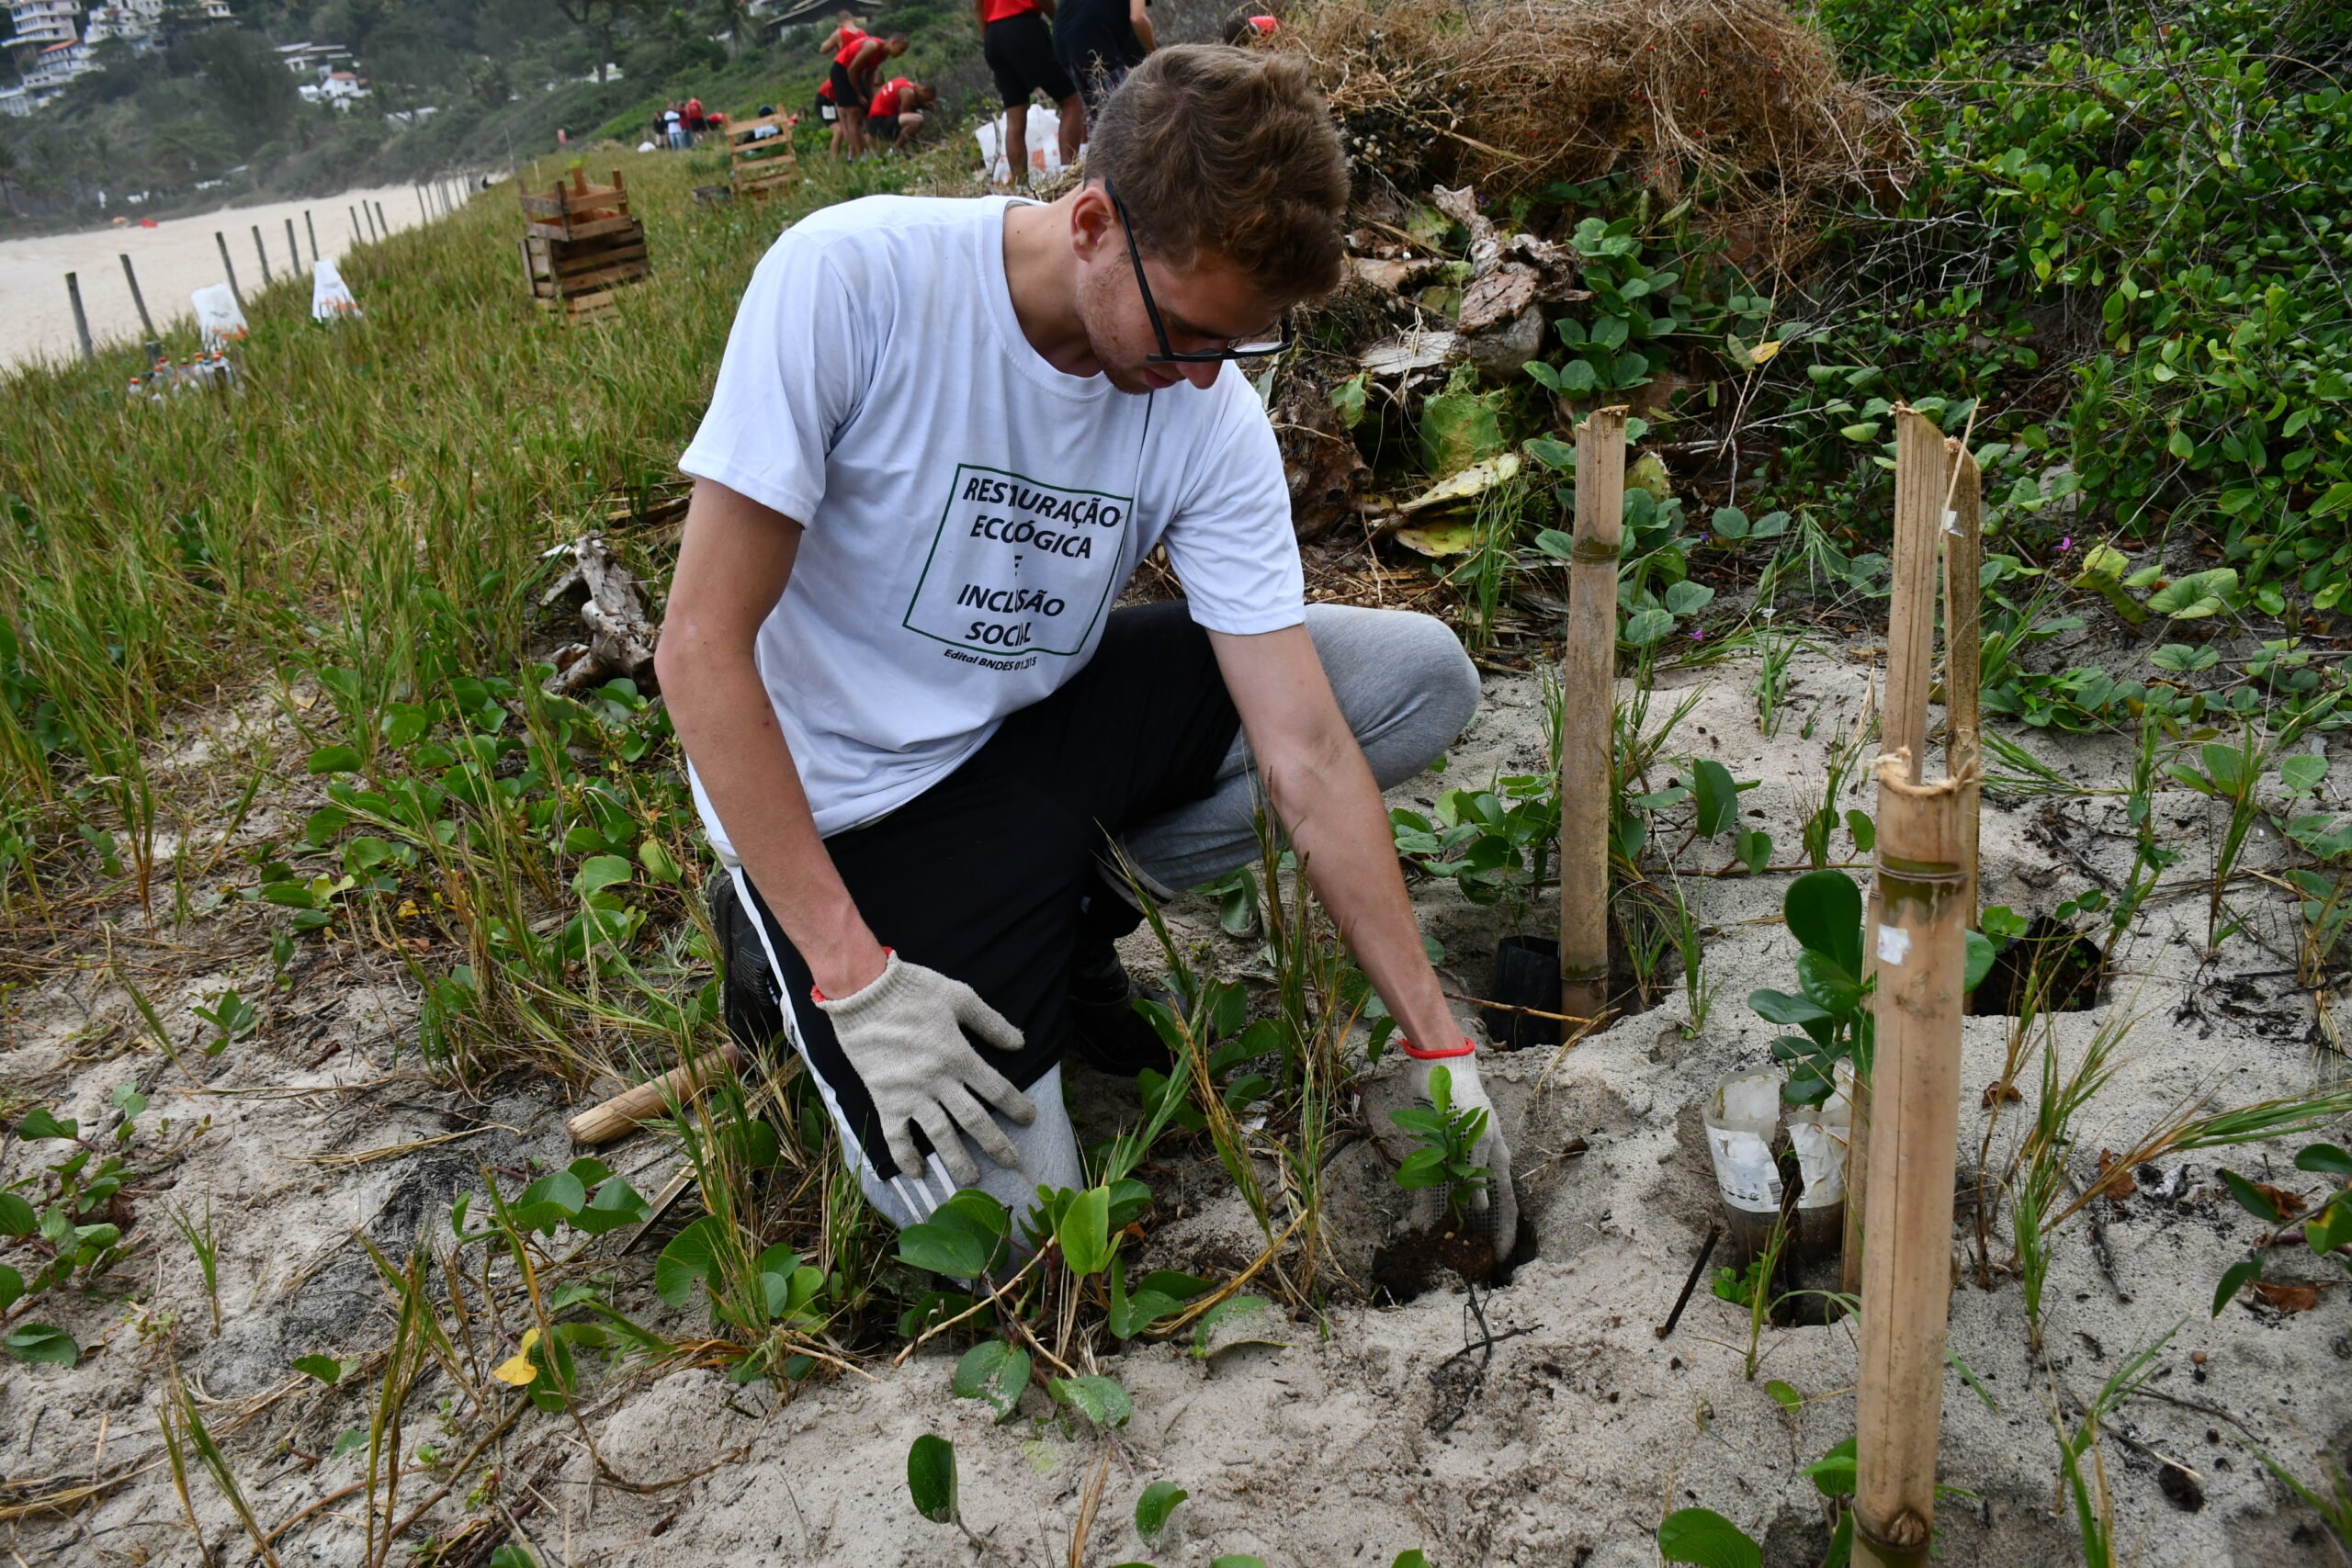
(1256, 349)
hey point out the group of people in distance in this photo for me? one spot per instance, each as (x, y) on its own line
(1073, 51)
(680, 126)
(855, 99)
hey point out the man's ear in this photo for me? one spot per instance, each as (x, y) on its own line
(1094, 225)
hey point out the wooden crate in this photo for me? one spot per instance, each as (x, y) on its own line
(582, 211)
(762, 166)
(578, 277)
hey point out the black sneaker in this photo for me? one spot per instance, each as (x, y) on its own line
(1110, 1035)
(748, 998)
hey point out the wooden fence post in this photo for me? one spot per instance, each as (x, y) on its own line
(230, 267)
(136, 298)
(383, 224)
(1587, 714)
(263, 252)
(293, 252)
(312, 230)
(80, 321)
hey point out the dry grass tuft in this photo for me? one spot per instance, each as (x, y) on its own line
(1734, 103)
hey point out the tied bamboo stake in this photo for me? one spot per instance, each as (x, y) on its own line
(1921, 487)
(1963, 638)
(1918, 937)
(1587, 710)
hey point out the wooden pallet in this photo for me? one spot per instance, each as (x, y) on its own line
(760, 166)
(579, 276)
(582, 211)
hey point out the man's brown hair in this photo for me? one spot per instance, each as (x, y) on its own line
(1232, 152)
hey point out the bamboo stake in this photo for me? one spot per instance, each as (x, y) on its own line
(382, 223)
(1588, 713)
(1963, 638)
(263, 252)
(1921, 487)
(1918, 939)
(293, 252)
(312, 230)
(603, 1123)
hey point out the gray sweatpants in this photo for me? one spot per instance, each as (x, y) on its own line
(1406, 689)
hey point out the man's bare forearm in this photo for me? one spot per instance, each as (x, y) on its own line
(1327, 799)
(732, 565)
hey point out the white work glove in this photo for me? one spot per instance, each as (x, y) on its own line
(1495, 1210)
(902, 1033)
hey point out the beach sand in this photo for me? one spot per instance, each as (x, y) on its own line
(173, 259)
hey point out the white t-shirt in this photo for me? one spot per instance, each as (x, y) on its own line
(971, 511)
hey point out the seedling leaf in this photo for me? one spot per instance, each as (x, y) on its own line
(40, 1343)
(1207, 1340)
(943, 1249)
(1785, 1397)
(1707, 1539)
(685, 1261)
(1098, 1399)
(1158, 1501)
(1825, 914)
(1833, 1472)
(2240, 1275)
(2320, 1160)
(2253, 1200)
(995, 1373)
(931, 1478)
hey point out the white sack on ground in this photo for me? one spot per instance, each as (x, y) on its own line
(1044, 145)
(218, 316)
(329, 296)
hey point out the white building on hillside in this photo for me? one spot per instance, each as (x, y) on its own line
(313, 59)
(41, 24)
(339, 88)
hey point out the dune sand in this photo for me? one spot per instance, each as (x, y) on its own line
(173, 259)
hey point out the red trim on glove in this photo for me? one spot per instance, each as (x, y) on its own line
(816, 995)
(1465, 1049)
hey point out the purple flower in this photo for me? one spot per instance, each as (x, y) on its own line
(2065, 543)
(1698, 634)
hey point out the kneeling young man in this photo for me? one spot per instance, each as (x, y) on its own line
(897, 112)
(944, 434)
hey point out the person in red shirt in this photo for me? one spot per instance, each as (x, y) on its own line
(896, 113)
(845, 32)
(853, 77)
(1019, 47)
(695, 123)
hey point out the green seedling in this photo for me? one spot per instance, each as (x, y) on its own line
(207, 1248)
(1831, 1006)
(231, 1018)
(2232, 775)
(1495, 844)
(1448, 1140)
(2325, 1219)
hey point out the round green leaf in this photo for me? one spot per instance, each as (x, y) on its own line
(17, 1216)
(40, 1343)
(931, 1478)
(993, 1373)
(1707, 1539)
(1158, 1501)
(687, 1258)
(1825, 914)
